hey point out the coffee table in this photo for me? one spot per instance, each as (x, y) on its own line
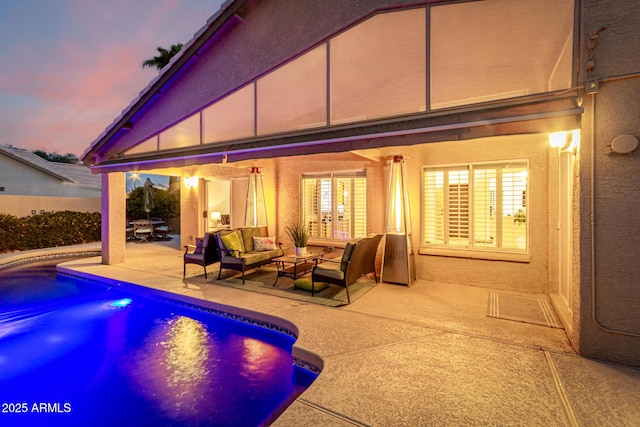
(294, 266)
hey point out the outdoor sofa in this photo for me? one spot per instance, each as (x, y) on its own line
(245, 248)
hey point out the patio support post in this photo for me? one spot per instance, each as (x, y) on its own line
(114, 218)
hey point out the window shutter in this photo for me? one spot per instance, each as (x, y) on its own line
(335, 205)
(486, 211)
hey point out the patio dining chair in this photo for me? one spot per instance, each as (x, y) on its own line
(142, 229)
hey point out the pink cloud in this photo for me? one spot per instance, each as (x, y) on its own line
(65, 86)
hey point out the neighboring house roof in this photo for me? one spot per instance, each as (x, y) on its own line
(72, 173)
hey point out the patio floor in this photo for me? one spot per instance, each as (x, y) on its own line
(419, 356)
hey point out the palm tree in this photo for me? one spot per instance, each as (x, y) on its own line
(164, 58)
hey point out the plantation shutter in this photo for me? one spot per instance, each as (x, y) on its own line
(334, 205)
(477, 206)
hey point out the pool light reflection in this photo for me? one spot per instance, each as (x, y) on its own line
(121, 303)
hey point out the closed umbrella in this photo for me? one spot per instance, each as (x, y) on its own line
(149, 198)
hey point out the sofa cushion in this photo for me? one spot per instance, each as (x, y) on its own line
(233, 242)
(248, 233)
(261, 244)
(273, 253)
(305, 283)
(253, 257)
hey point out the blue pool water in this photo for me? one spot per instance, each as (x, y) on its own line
(74, 353)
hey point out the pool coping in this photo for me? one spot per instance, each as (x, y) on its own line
(16, 259)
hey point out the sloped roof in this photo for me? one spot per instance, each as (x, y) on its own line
(72, 173)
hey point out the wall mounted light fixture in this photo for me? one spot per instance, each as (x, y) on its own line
(565, 140)
(191, 181)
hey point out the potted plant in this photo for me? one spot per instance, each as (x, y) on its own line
(299, 235)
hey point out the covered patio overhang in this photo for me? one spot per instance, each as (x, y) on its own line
(533, 116)
(373, 141)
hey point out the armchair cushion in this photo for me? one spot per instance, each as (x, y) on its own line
(233, 243)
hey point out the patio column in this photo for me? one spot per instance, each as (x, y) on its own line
(114, 217)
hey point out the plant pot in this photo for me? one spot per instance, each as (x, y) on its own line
(301, 251)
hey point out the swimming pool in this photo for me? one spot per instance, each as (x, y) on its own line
(74, 352)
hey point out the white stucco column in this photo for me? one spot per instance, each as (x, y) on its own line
(114, 217)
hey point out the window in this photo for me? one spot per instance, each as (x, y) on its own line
(476, 206)
(499, 49)
(334, 205)
(184, 134)
(378, 68)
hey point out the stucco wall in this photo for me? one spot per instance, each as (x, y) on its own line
(288, 173)
(528, 276)
(612, 331)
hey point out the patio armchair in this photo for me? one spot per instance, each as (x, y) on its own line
(357, 260)
(204, 253)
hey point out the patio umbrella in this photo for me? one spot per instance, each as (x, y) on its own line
(149, 199)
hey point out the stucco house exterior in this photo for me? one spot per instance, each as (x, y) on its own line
(31, 185)
(516, 120)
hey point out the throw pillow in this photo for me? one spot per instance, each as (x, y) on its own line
(262, 244)
(233, 243)
(198, 249)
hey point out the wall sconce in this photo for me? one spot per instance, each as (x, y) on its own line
(622, 144)
(215, 217)
(256, 211)
(565, 140)
(398, 264)
(191, 181)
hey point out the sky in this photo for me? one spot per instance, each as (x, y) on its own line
(69, 67)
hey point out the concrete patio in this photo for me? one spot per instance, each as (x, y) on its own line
(427, 355)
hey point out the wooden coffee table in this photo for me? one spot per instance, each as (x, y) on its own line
(294, 266)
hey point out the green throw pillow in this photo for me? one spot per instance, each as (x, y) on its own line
(233, 242)
(305, 283)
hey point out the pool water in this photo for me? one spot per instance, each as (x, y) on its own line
(76, 353)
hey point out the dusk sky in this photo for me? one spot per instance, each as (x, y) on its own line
(69, 67)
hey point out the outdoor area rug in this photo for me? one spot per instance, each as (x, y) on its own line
(261, 281)
(536, 310)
